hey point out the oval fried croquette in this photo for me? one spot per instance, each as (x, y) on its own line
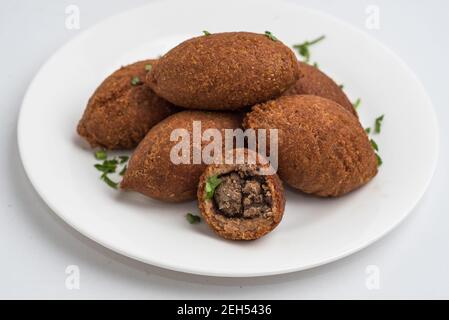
(152, 172)
(323, 150)
(123, 109)
(245, 205)
(314, 82)
(224, 71)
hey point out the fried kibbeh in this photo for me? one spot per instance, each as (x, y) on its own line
(151, 170)
(224, 71)
(323, 150)
(313, 81)
(123, 109)
(245, 205)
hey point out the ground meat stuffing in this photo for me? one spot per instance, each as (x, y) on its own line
(242, 194)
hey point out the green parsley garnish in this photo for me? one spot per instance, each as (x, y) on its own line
(211, 184)
(101, 155)
(148, 67)
(108, 181)
(356, 104)
(192, 218)
(135, 81)
(315, 65)
(110, 166)
(379, 160)
(206, 33)
(304, 50)
(374, 144)
(270, 36)
(123, 159)
(378, 124)
(341, 86)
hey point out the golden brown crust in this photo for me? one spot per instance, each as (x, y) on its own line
(224, 71)
(313, 81)
(323, 149)
(119, 114)
(240, 228)
(150, 170)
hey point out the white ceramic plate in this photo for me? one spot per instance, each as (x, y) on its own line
(313, 231)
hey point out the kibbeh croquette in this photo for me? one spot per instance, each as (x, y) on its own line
(245, 205)
(224, 71)
(151, 170)
(323, 150)
(123, 109)
(313, 81)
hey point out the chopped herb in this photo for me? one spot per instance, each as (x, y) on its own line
(108, 166)
(368, 130)
(315, 65)
(378, 124)
(211, 184)
(303, 48)
(206, 33)
(379, 160)
(148, 67)
(356, 104)
(270, 36)
(123, 159)
(108, 181)
(374, 144)
(341, 86)
(192, 218)
(101, 155)
(135, 81)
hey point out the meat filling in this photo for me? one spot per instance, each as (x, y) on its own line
(242, 194)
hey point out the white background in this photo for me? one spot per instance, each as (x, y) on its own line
(36, 246)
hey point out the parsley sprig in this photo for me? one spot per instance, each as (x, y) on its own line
(270, 36)
(377, 129)
(135, 81)
(110, 166)
(378, 123)
(211, 184)
(304, 48)
(192, 218)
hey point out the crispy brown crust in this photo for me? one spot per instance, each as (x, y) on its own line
(150, 170)
(118, 115)
(323, 149)
(240, 228)
(224, 71)
(313, 81)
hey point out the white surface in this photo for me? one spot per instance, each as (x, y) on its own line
(313, 231)
(36, 246)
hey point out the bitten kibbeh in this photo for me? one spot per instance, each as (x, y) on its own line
(323, 150)
(151, 170)
(245, 205)
(224, 71)
(313, 81)
(123, 109)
